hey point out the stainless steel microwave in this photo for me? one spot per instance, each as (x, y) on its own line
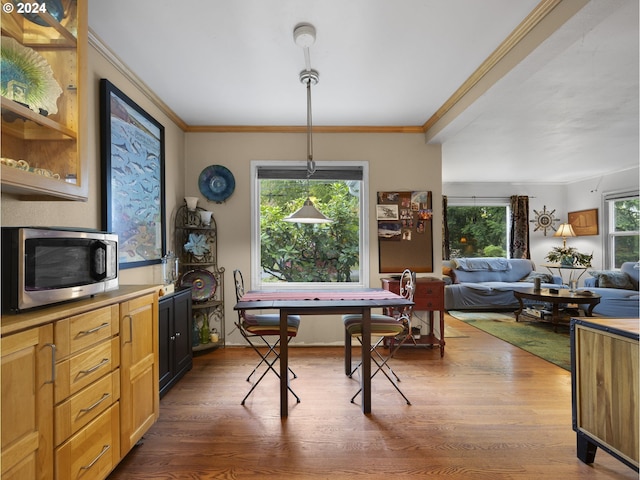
(43, 266)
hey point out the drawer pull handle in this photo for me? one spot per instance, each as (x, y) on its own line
(105, 448)
(95, 367)
(91, 407)
(53, 362)
(94, 330)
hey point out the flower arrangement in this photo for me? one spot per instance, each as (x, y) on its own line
(569, 256)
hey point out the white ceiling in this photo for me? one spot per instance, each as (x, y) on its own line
(568, 111)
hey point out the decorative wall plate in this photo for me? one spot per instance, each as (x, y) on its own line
(27, 78)
(202, 282)
(216, 183)
(52, 7)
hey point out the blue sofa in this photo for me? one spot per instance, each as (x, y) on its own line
(619, 291)
(488, 283)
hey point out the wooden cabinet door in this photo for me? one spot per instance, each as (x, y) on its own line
(27, 404)
(183, 354)
(139, 397)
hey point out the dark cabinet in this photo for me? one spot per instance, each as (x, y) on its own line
(176, 356)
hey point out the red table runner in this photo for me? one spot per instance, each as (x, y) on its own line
(295, 295)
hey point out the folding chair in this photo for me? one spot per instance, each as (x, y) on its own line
(262, 327)
(396, 326)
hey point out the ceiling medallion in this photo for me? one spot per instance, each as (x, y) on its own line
(544, 220)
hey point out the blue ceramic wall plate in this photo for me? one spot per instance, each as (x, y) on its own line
(216, 183)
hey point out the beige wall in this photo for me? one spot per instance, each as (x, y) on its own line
(87, 214)
(396, 162)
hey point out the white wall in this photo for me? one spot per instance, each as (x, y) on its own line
(396, 162)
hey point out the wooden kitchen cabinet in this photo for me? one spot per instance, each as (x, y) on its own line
(139, 396)
(175, 330)
(77, 378)
(27, 404)
(44, 150)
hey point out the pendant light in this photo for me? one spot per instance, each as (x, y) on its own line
(305, 35)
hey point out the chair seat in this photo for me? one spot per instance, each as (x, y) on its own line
(381, 325)
(269, 324)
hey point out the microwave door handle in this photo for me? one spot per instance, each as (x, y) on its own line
(98, 265)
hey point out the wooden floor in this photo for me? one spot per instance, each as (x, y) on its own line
(487, 410)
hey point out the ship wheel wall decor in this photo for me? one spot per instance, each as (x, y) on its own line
(544, 220)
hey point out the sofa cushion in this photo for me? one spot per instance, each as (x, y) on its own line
(491, 264)
(612, 279)
(544, 277)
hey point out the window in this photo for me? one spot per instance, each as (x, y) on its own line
(297, 255)
(622, 224)
(477, 231)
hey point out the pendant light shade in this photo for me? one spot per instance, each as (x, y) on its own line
(308, 213)
(305, 36)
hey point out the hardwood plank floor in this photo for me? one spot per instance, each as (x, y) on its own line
(486, 410)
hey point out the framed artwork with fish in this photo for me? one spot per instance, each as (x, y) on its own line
(133, 199)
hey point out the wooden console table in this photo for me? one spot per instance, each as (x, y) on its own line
(604, 381)
(428, 297)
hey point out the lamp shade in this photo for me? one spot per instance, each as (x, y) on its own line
(308, 213)
(565, 230)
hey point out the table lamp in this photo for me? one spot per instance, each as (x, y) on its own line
(565, 230)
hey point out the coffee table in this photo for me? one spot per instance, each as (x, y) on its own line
(563, 296)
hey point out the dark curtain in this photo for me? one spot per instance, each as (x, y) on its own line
(519, 228)
(446, 247)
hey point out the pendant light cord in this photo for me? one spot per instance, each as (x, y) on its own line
(311, 164)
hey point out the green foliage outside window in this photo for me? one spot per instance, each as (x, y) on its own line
(292, 252)
(626, 221)
(477, 231)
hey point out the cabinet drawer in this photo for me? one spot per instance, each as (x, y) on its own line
(92, 452)
(74, 334)
(81, 408)
(78, 371)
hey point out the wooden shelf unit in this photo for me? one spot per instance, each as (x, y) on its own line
(53, 145)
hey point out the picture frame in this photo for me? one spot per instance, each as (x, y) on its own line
(387, 212)
(133, 193)
(584, 222)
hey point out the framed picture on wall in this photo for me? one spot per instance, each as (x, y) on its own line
(133, 202)
(584, 222)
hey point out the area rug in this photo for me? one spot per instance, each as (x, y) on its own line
(535, 337)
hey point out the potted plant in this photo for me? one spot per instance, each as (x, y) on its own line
(569, 257)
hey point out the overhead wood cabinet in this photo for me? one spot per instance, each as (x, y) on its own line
(79, 384)
(44, 113)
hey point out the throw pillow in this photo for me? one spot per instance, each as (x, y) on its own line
(544, 277)
(449, 272)
(612, 279)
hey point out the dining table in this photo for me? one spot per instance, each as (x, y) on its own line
(324, 302)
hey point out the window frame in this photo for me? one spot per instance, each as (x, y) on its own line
(485, 202)
(608, 203)
(256, 281)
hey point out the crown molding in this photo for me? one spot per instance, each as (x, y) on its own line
(119, 65)
(541, 22)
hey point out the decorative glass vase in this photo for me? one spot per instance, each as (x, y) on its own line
(566, 261)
